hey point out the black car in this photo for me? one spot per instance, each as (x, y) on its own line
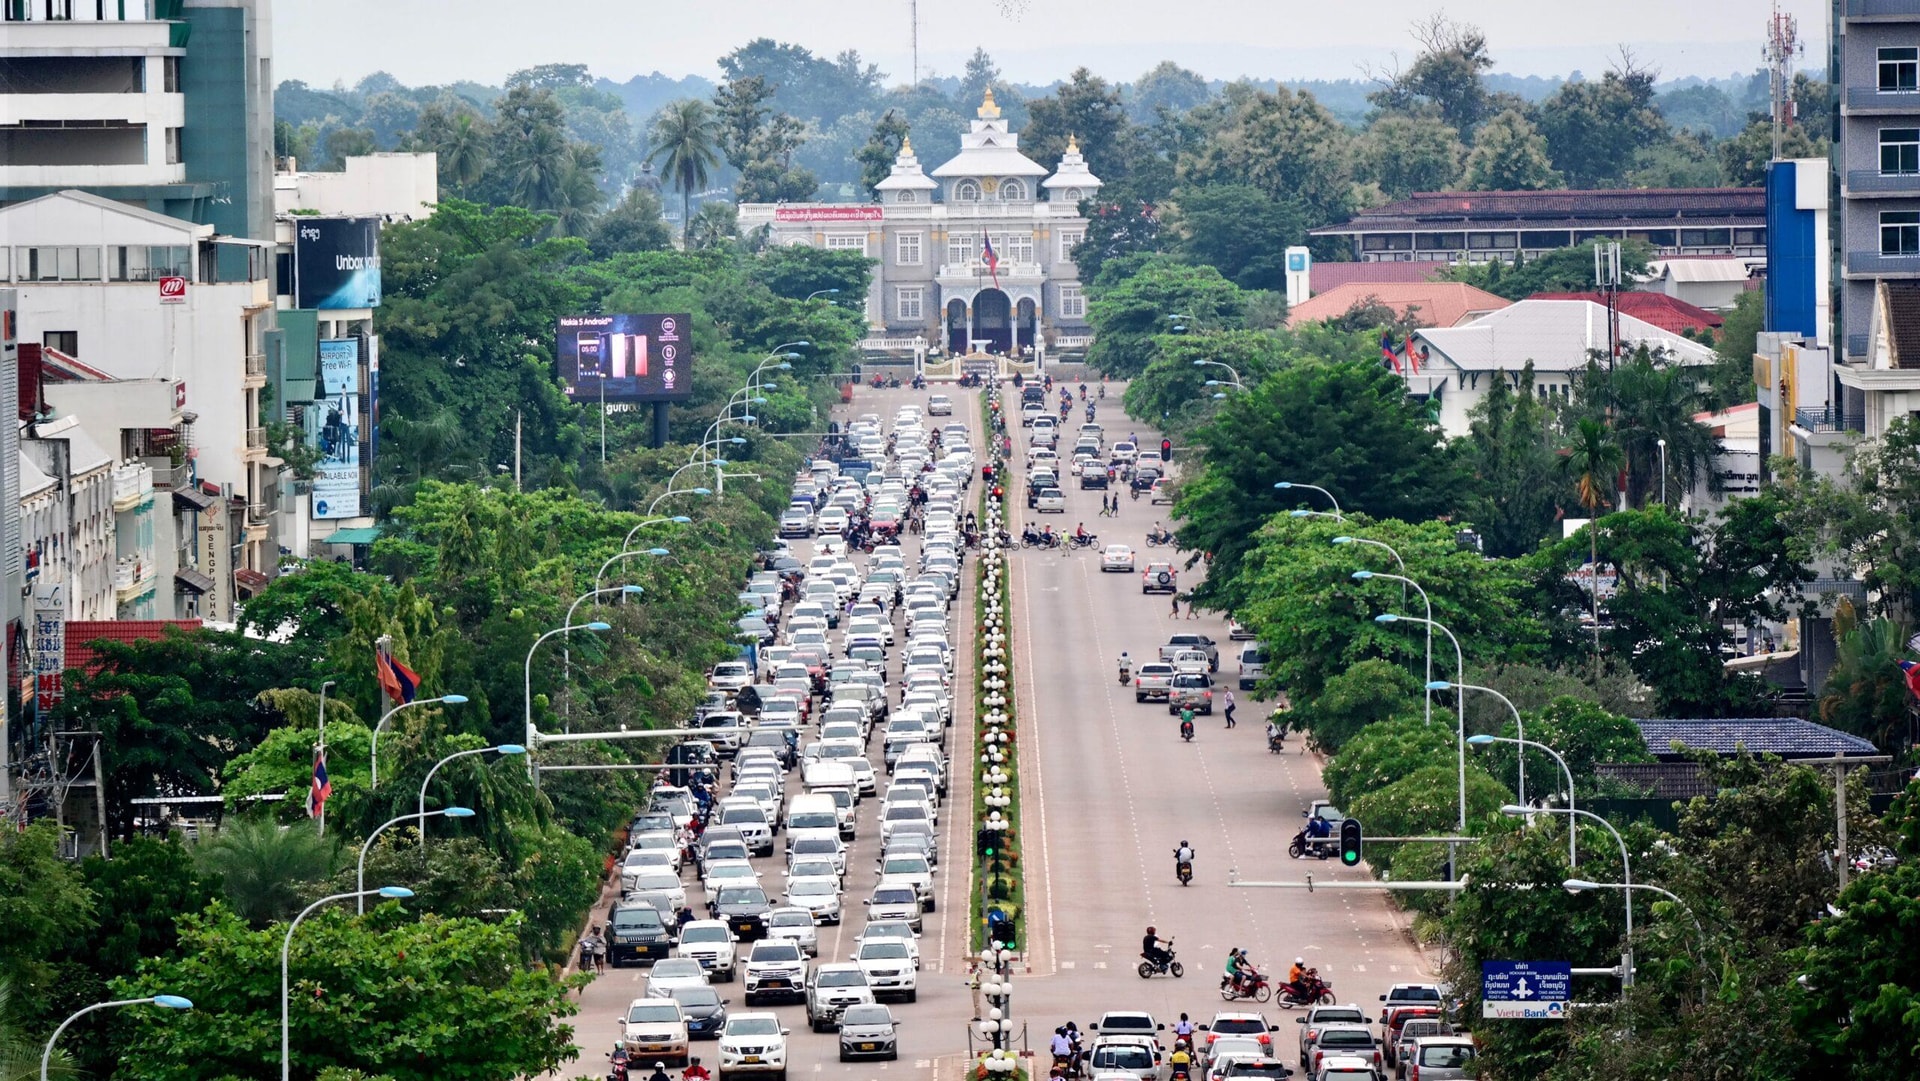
(635, 932)
(745, 909)
(1143, 480)
(706, 1011)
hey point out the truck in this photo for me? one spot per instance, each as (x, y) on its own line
(1152, 681)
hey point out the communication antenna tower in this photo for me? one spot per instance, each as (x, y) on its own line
(1783, 44)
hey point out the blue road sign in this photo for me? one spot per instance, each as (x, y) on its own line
(1525, 990)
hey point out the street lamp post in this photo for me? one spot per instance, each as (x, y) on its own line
(1362, 576)
(1663, 473)
(171, 1002)
(678, 519)
(566, 651)
(360, 868)
(526, 680)
(397, 893)
(1573, 835)
(1519, 729)
(1236, 381)
(1286, 485)
(374, 764)
(421, 812)
(1576, 885)
(1626, 871)
(1305, 513)
(672, 491)
(819, 292)
(1459, 666)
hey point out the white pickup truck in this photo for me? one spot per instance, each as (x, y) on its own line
(1152, 681)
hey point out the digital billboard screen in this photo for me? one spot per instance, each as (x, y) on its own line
(336, 263)
(625, 358)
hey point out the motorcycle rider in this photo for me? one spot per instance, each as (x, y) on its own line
(659, 1073)
(1181, 1060)
(1183, 856)
(1126, 666)
(1080, 533)
(1231, 973)
(1186, 720)
(1319, 828)
(695, 1072)
(1276, 733)
(1183, 1028)
(1061, 1047)
(1297, 977)
(1151, 950)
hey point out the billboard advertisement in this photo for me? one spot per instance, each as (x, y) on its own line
(625, 358)
(336, 263)
(339, 366)
(333, 427)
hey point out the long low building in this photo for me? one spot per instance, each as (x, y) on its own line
(1481, 226)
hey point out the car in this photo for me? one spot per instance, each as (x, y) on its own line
(832, 988)
(1117, 557)
(744, 910)
(719, 874)
(832, 521)
(796, 523)
(1152, 680)
(704, 1009)
(1093, 480)
(819, 896)
(891, 966)
(1226, 1024)
(730, 676)
(655, 1028)
(1161, 492)
(1410, 994)
(1125, 451)
(1190, 690)
(1344, 1039)
(1413, 1028)
(914, 869)
(1320, 1017)
(671, 972)
(662, 882)
(895, 900)
(795, 925)
(1137, 1057)
(1160, 578)
(636, 932)
(1050, 500)
(831, 848)
(710, 943)
(1253, 666)
(1441, 1058)
(1345, 1068)
(868, 1031)
(1397, 1017)
(1237, 1066)
(1179, 642)
(1127, 1023)
(753, 1043)
(1190, 661)
(775, 968)
(1238, 631)
(1031, 412)
(1227, 1047)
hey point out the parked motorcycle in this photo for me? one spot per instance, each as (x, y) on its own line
(1320, 848)
(1149, 968)
(1317, 992)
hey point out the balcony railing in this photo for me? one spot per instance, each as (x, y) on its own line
(1835, 587)
(1872, 262)
(1008, 269)
(1864, 100)
(256, 438)
(256, 364)
(258, 512)
(1868, 9)
(1826, 419)
(1874, 182)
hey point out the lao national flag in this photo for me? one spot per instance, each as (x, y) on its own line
(322, 787)
(1413, 358)
(989, 257)
(1913, 676)
(1386, 351)
(399, 681)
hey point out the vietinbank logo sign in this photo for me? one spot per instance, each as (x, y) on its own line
(336, 263)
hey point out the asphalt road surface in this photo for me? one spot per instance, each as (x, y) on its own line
(1109, 790)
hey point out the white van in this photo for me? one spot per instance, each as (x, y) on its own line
(812, 814)
(1253, 665)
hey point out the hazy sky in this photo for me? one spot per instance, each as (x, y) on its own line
(431, 41)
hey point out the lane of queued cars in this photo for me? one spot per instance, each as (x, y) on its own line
(833, 728)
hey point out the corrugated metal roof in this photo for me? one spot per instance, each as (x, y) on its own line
(1788, 737)
(1663, 311)
(1718, 268)
(1623, 208)
(1555, 335)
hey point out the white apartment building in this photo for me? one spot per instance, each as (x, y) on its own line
(396, 186)
(82, 473)
(139, 296)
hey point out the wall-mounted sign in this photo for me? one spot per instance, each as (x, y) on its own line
(173, 290)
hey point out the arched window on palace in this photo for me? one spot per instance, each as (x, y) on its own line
(905, 196)
(966, 191)
(1073, 195)
(1012, 191)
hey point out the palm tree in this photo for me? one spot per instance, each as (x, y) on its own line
(264, 869)
(538, 168)
(684, 136)
(1592, 460)
(463, 152)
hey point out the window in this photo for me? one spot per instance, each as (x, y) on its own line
(1387, 242)
(1706, 238)
(1073, 195)
(1900, 70)
(65, 341)
(134, 263)
(907, 196)
(170, 68)
(1899, 151)
(173, 146)
(1069, 240)
(1749, 238)
(59, 264)
(909, 301)
(906, 249)
(966, 191)
(1900, 232)
(854, 242)
(959, 248)
(1073, 303)
(1018, 248)
(1012, 191)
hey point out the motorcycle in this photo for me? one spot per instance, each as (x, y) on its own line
(1126, 675)
(1159, 538)
(1065, 1066)
(1103, 392)
(1317, 992)
(1255, 987)
(1186, 731)
(1149, 968)
(919, 382)
(1133, 493)
(1320, 848)
(1088, 541)
(1183, 870)
(1277, 744)
(877, 382)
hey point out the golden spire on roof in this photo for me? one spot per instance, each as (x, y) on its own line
(1073, 144)
(906, 146)
(988, 110)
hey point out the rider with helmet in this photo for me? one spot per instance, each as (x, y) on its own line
(1151, 949)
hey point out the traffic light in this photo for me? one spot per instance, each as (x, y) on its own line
(988, 843)
(1000, 927)
(1350, 842)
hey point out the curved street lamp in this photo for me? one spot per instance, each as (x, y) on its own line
(1626, 869)
(1460, 667)
(421, 813)
(374, 764)
(397, 893)
(171, 1002)
(1573, 842)
(1288, 485)
(672, 491)
(360, 868)
(526, 687)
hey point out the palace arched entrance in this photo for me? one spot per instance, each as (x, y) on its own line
(957, 327)
(993, 321)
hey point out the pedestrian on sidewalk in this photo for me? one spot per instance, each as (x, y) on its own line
(1229, 708)
(599, 951)
(1191, 612)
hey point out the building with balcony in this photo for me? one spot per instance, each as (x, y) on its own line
(82, 475)
(1875, 71)
(164, 104)
(1481, 226)
(986, 266)
(84, 267)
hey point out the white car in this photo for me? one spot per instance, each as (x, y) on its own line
(1117, 557)
(939, 405)
(654, 1028)
(897, 930)
(832, 988)
(753, 1043)
(819, 896)
(891, 965)
(895, 900)
(775, 968)
(796, 523)
(832, 521)
(794, 925)
(1050, 500)
(1124, 451)
(730, 676)
(663, 883)
(720, 874)
(671, 972)
(913, 869)
(712, 944)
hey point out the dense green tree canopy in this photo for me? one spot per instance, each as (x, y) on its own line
(1134, 316)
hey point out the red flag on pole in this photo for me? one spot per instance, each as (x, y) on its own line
(988, 257)
(399, 681)
(321, 788)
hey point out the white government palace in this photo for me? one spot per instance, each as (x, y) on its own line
(933, 290)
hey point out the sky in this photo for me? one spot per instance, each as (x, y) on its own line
(1035, 41)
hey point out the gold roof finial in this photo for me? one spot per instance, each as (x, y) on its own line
(988, 110)
(1073, 144)
(906, 146)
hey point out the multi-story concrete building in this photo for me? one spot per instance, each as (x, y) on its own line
(82, 474)
(933, 282)
(164, 104)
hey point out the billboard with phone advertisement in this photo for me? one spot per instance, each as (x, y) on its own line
(625, 358)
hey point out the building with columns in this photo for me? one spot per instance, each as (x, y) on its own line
(930, 237)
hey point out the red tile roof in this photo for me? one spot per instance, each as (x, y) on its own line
(1670, 314)
(1322, 277)
(1440, 304)
(80, 632)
